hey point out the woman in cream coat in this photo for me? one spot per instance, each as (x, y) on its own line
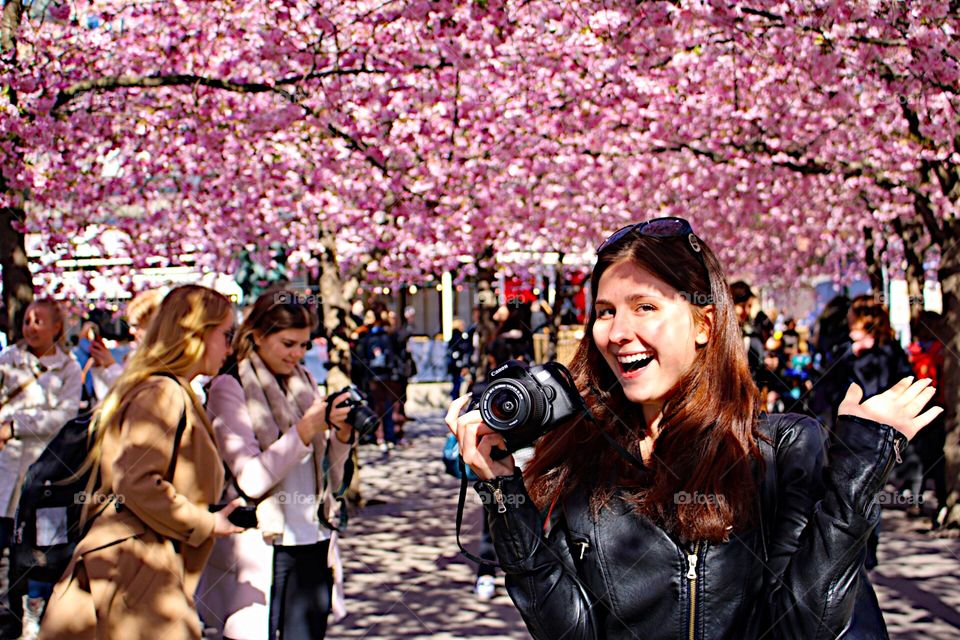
(133, 575)
(287, 455)
(39, 392)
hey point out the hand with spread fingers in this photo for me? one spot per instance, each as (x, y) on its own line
(899, 406)
(477, 440)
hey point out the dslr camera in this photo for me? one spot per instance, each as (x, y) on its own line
(522, 403)
(361, 417)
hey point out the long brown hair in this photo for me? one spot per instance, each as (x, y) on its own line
(273, 311)
(700, 482)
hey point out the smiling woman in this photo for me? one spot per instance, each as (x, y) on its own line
(679, 510)
(287, 455)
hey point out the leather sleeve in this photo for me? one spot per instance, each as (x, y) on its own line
(540, 577)
(825, 514)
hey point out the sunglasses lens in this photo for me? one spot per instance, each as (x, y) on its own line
(667, 228)
(658, 228)
(616, 235)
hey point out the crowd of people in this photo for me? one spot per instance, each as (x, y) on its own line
(218, 470)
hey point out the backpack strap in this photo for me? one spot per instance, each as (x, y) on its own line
(37, 371)
(181, 427)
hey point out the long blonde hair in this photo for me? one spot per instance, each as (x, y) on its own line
(174, 344)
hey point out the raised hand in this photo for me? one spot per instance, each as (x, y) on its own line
(899, 406)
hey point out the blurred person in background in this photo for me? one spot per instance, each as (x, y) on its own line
(875, 361)
(927, 354)
(106, 370)
(40, 389)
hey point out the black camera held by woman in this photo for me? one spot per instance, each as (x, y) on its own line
(522, 403)
(361, 417)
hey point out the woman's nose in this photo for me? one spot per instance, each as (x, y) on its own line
(620, 329)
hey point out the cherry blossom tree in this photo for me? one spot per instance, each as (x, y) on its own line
(384, 140)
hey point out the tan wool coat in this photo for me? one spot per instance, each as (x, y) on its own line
(135, 572)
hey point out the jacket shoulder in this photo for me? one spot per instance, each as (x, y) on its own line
(156, 392)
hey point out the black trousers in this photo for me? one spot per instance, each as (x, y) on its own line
(301, 594)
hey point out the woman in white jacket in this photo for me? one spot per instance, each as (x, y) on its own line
(288, 455)
(39, 392)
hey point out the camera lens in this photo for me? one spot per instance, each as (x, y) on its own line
(504, 404)
(511, 404)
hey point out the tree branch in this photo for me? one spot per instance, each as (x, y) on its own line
(112, 83)
(9, 24)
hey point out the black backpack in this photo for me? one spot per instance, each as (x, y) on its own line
(46, 499)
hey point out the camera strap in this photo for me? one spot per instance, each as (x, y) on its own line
(626, 455)
(461, 503)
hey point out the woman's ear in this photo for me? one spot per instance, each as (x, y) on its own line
(704, 325)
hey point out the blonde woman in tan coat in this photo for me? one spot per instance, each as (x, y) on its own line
(134, 573)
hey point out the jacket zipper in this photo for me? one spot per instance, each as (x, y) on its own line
(498, 497)
(692, 578)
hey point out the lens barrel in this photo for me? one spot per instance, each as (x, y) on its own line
(511, 404)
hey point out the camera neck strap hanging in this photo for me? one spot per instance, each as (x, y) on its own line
(461, 503)
(619, 448)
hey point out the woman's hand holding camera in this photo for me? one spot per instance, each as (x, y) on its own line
(338, 417)
(314, 422)
(477, 441)
(223, 527)
(899, 406)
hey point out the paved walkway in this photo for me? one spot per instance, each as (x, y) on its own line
(405, 578)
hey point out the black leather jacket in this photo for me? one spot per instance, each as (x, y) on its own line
(798, 575)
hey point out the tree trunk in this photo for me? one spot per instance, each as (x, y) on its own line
(486, 304)
(335, 313)
(910, 234)
(950, 335)
(17, 279)
(872, 259)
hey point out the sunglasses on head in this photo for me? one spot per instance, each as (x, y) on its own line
(668, 227)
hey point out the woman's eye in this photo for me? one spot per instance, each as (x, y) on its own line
(646, 308)
(289, 345)
(604, 313)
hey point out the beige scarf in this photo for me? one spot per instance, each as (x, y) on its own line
(273, 412)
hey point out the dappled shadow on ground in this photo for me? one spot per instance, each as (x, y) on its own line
(917, 580)
(404, 575)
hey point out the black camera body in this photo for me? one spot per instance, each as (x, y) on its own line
(361, 417)
(244, 516)
(522, 403)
